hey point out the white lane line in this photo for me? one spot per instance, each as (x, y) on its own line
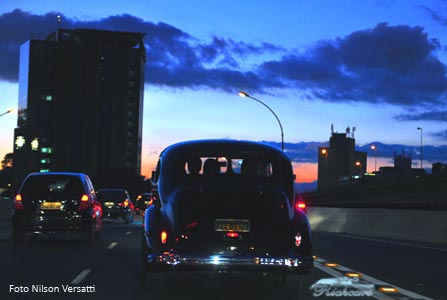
(319, 264)
(78, 279)
(129, 232)
(112, 245)
(384, 241)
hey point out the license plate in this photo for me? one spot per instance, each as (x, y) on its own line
(232, 225)
(51, 205)
(109, 204)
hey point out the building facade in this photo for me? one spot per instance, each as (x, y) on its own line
(339, 164)
(80, 103)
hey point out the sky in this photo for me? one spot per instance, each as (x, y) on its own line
(377, 65)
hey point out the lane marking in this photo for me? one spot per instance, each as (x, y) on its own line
(112, 245)
(383, 241)
(129, 232)
(339, 271)
(78, 279)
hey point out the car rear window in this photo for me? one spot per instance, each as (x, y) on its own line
(54, 187)
(112, 196)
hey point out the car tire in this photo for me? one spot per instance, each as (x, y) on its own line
(18, 236)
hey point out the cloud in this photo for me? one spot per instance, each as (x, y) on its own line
(438, 116)
(442, 135)
(385, 64)
(436, 15)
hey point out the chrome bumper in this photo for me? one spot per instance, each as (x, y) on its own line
(170, 261)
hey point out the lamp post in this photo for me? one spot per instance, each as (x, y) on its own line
(373, 147)
(244, 94)
(422, 156)
(7, 112)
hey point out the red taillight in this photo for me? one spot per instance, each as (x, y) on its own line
(300, 205)
(125, 203)
(85, 202)
(232, 234)
(297, 239)
(164, 236)
(18, 204)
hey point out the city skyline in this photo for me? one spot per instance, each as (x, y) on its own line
(379, 66)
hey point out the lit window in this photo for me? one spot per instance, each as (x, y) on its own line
(20, 141)
(49, 98)
(35, 144)
(44, 170)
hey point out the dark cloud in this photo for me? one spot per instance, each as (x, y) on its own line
(436, 15)
(441, 135)
(392, 64)
(438, 116)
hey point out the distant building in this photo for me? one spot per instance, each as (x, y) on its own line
(339, 164)
(402, 169)
(80, 103)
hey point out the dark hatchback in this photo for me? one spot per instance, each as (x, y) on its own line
(223, 205)
(56, 202)
(116, 203)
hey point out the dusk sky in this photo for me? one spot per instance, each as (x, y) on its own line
(377, 65)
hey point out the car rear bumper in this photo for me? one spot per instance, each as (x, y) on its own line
(39, 224)
(174, 262)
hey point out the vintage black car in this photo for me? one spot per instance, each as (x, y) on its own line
(224, 205)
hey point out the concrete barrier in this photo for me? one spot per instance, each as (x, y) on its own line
(428, 226)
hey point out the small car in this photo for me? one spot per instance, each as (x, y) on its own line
(142, 202)
(116, 203)
(226, 206)
(56, 202)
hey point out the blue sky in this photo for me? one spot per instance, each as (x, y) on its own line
(377, 65)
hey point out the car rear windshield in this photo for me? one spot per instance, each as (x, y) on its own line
(49, 187)
(111, 196)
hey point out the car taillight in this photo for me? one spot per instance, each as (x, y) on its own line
(164, 236)
(18, 204)
(300, 205)
(85, 202)
(297, 239)
(125, 203)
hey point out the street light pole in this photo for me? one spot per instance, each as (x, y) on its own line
(422, 156)
(7, 112)
(244, 94)
(373, 147)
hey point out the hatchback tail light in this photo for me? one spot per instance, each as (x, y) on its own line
(164, 236)
(18, 204)
(85, 202)
(125, 203)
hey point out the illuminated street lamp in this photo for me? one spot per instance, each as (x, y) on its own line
(244, 94)
(422, 156)
(374, 148)
(7, 112)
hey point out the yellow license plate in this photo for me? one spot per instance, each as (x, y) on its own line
(232, 225)
(51, 205)
(109, 204)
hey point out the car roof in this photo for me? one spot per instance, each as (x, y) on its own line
(223, 145)
(76, 174)
(111, 190)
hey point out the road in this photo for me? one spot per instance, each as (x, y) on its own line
(109, 269)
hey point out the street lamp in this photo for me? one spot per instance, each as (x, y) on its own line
(422, 156)
(7, 112)
(374, 148)
(244, 94)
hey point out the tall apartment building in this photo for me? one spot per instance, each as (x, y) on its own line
(339, 163)
(80, 103)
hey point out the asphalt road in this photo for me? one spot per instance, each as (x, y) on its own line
(109, 269)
